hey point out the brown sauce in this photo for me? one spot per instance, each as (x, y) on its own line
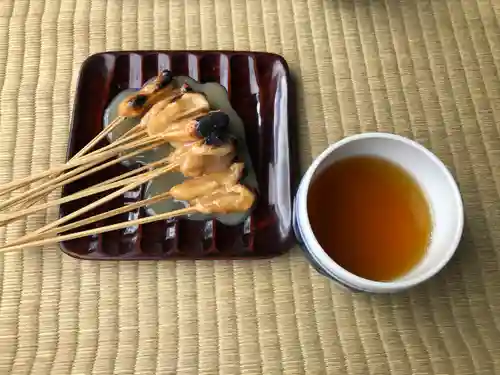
(370, 216)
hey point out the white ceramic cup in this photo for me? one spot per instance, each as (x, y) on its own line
(434, 179)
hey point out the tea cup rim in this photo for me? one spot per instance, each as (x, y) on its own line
(333, 269)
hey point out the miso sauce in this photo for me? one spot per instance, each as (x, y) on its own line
(370, 216)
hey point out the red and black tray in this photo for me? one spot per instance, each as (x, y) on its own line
(259, 88)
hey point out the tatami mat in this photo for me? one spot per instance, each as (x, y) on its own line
(423, 69)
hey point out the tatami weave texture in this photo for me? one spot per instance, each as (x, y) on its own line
(425, 69)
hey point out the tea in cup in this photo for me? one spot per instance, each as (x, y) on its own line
(378, 212)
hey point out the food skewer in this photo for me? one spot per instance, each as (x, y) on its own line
(152, 128)
(136, 105)
(186, 191)
(224, 203)
(106, 152)
(190, 132)
(189, 191)
(142, 179)
(186, 128)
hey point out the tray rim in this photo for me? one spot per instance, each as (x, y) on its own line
(293, 177)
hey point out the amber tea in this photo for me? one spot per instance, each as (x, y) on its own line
(370, 216)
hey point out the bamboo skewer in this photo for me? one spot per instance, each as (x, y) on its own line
(7, 218)
(138, 127)
(135, 171)
(146, 177)
(108, 228)
(112, 183)
(50, 185)
(7, 189)
(81, 154)
(80, 161)
(105, 215)
(50, 172)
(117, 121)
(31, 199)
(32, 193)
(119, 141)
(113, 151)
(13, 185)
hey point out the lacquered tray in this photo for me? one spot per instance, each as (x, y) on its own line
(260, 91)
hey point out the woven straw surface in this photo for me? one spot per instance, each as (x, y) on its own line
(426, 69)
